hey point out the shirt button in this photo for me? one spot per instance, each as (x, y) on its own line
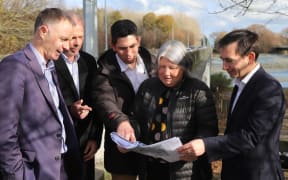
(58, 135)
(57, 158)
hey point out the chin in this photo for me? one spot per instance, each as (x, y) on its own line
(168, 84)
(56, 57)
(130, 61)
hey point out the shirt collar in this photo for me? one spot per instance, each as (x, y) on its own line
(76, 58)
(124, 67)
(43, 63)
(241, 83)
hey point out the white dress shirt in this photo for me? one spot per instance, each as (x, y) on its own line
(46, 69)
(137, 75)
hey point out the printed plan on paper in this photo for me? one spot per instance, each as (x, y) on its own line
(165, 150)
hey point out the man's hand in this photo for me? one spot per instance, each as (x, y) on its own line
(90, 150)
(78, 110)
(191, 150)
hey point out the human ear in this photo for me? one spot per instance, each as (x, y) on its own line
(251, 57)
(139, 39)
(43, 31)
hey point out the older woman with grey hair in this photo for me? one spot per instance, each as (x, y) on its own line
(174, 104)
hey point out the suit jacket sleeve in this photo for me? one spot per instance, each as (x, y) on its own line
(96, 129)
(11, 95)
(104, 96)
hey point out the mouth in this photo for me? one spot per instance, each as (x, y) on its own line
(73, 50)
(129, 58)
(167, 79)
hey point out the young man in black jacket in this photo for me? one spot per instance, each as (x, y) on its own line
(121, 71)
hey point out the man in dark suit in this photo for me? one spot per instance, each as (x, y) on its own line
(249, 148)
(38, 140)
(76, 71)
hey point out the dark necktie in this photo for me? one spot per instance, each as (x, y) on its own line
(234, 93)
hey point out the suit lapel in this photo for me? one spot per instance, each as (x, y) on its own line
(67, 120)
(244, 96)
(83, 73)
(62, 105)
(40, 78)
(65, 74)
(248, 88)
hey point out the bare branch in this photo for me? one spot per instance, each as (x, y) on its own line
(242, 7)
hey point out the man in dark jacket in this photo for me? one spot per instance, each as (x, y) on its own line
(121, 71)
(249, 148)
(76, 71)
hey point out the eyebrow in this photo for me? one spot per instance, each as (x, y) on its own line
(125, 47)
(227, 58)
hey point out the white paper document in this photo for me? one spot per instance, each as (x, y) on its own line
(165, 150)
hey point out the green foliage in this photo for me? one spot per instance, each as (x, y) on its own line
(165, 23)
(114, 16)
(16, 25)
(219, 82)
(149, 21)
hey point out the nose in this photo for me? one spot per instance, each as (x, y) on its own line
(65, 45)
(224, 65)
(166, 71)
(129, 52)
(76, 42)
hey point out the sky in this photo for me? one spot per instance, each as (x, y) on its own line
(204, 12)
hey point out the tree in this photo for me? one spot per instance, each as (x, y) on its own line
(165, 23)
(219, 82)
(114, 16)
(189, 28)
(149, 30)
(284, 36)
(17, 20)
(267, 39)
(284, 32)
(25, 5)
(244, 6)
(216, 36)
(149, 21)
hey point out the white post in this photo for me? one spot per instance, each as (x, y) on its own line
(91, 27)
(106, 25)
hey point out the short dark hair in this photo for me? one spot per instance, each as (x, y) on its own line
(247, 41)
(122, 28)
(51, 15)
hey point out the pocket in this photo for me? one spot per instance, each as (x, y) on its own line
(29, 164)
(28, 156)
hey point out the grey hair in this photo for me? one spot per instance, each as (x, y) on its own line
(173, 50)
(51, 15)
(77, 18)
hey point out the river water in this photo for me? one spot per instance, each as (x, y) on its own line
(276, 65)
